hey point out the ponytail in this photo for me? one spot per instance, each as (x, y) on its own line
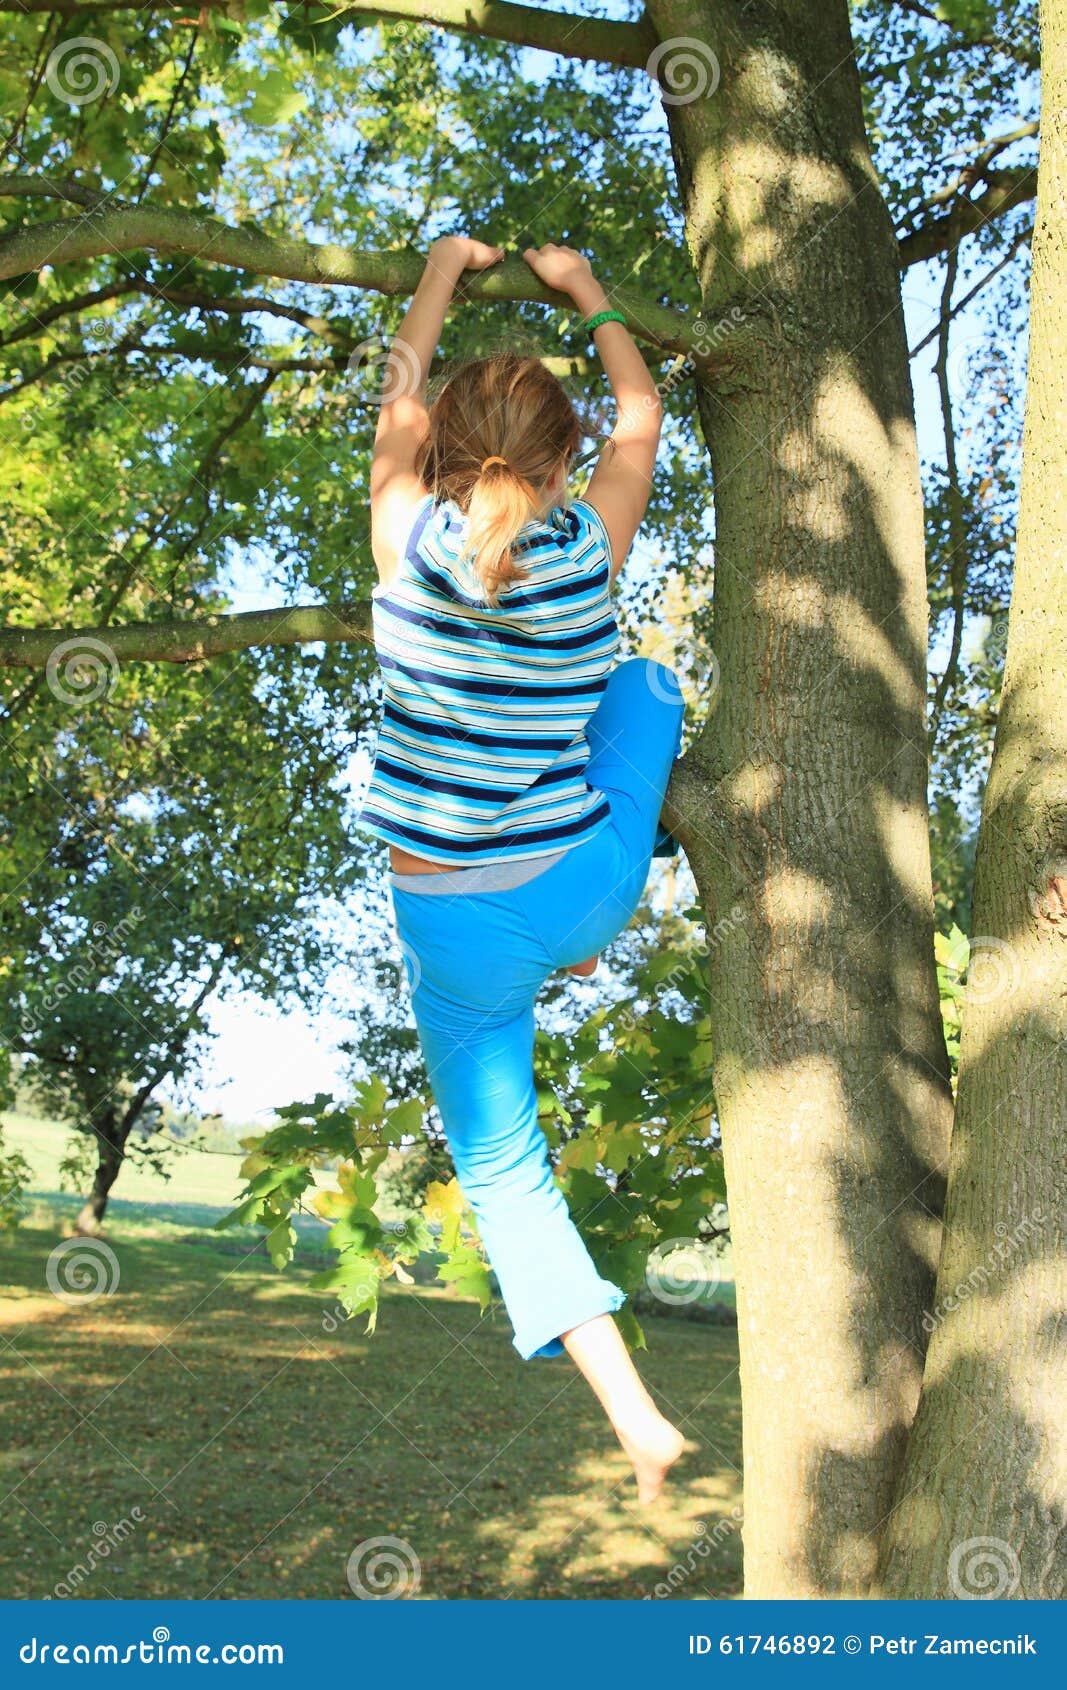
(500, 429)
(501, 501)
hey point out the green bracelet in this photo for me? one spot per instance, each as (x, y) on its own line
(604, 317)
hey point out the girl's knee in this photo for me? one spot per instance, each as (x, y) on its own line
(656, 679)
(663, 684)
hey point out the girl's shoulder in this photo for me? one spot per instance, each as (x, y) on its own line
(433, 554)
(585, 528)
(574, 536)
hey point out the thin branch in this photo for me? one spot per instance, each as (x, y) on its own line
(168, 120)
(959, 561)
(40, 65)
(965, 37)
(224, 356)
(200, 477)
(193, 299)
(983, 281)
(995, 144)
(42, 317)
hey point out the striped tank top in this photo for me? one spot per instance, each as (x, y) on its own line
(482, 751)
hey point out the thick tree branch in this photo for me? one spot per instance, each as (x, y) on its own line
(108, 229)
(1005, 189)
(189, 641)
(568, 34)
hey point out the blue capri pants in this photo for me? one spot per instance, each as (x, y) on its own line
(476, 962)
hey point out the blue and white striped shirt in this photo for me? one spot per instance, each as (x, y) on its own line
(482, 750)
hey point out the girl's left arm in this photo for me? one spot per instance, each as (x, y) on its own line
(395, 488)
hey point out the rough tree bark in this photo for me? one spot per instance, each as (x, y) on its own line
(996, 1374)
(805, 803)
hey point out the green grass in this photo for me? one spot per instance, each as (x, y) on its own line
(263, 1442)
(202, 1184)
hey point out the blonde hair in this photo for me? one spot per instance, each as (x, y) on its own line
(500, 427)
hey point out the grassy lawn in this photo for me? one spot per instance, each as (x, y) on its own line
(262, 1443)
(261, 1440)
(201, 1184)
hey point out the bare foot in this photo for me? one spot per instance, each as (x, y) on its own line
(653, 1447)
(584, 969)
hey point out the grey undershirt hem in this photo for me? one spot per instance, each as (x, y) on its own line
(484, 877)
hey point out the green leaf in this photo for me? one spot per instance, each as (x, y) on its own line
(466, 1272)
(630, 1327)
(276, 100)
(355, 1279)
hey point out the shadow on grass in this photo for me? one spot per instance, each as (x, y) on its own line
(212, 1423)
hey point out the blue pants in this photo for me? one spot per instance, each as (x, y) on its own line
(476, 963)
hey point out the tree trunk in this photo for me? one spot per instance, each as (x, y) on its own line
(110, 1138)
(805, 802)
(990, 1423)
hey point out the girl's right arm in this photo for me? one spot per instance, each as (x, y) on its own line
(621, 483)
(395, 487)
